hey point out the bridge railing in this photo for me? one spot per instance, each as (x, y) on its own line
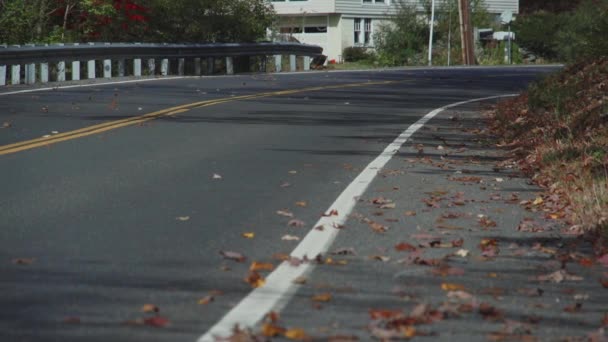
(32, 64)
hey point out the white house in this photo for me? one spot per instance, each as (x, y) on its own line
(337, 24)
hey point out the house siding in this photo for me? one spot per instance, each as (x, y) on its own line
(358, 8)
(304, 7)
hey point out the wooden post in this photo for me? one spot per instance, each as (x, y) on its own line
(466, 33)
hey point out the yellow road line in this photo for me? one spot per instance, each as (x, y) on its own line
(107, 126)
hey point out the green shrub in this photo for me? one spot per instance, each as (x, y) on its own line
(355, 54)
(566, 36)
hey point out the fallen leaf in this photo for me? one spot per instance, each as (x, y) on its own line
(206, 300)
(261, 266)
(388, 206)
(558, 277)
(378, 228)
(272, 330)
(296, 223)
(300, 280)
(462, 253)
(238, 257)
(385, 314)
(332, 212)
(290, 238)
(216, 176)
(410, 213)
(183, 218)
(462, 295)
(285, 213)
(452, 287)
(489, 312)
(458, 243)
(6, 124)
(255, 279)
(380, 258)
(248, 235)
(23, 261)
(302, 204)
(156, 321)
(323, 297)
(445, 271)
(538, 201)
(296, 334)
(404, 247)
(150, 308)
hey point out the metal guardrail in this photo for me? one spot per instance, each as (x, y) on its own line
(31, 55)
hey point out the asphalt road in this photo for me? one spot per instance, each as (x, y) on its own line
(93, 226)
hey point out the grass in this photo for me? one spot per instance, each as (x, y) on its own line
(558, 133)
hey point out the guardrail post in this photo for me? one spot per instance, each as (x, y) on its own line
(2, 75)
(180, 66)
(30, 73)
(263, 61)
(16, 74)
(107, 68)
(75, 70)
(306, 63)
(229, 66)
(137, 67)
(44, 72)
(210, 65)
(61, 71)
(164, 67)
(152, 66)
(278, 63)
(197, 66)
(292, 63)
(91, 69)
(121, 68)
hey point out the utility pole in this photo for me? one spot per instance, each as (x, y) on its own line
(466, 33)
(431, 25)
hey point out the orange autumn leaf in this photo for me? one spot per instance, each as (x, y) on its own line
(255, 279)
(206, 300)
(261, 266)
(323, 297)
(452, 287)
(272, 330)
(156, 321)
(302, 204)
(272, 316)
(384, 314)
(585, 262)
(296, 334)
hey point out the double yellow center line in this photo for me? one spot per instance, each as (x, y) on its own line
(107, 126)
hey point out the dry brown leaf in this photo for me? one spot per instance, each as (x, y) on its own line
(255, 279)
(296, 334)
(290, 238)
(206, 300)
(261, 266)
(388, 206)
(302, 204)
(410, 213)
(272, 330)
(380, 258)
(323, 297)
(296, 223)
(23, 261)
(285, 213)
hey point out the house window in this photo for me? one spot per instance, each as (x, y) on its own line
(367, 39)
(357, 31)
(363, 31)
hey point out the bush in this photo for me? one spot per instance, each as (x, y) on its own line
(355, 54)
(566, 36)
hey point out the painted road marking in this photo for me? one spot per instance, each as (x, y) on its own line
(107, 126)
(280, 286)
(90, 85)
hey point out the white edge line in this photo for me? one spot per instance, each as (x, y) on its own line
(279, 287)
(91, 85)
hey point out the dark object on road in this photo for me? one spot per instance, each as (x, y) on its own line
(318, 62)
